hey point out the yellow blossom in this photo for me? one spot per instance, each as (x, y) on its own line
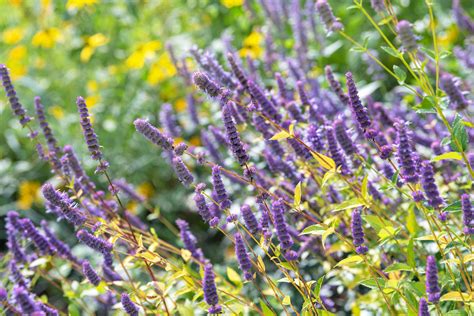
(79, 4)
(146, 50)
(47, 38)
(180, 105)
(92, 42)
(232, 3)
(19, 52)
(16, 3)
(28, 193)
(92, 86)
(252, 45)
(86, 53)
(449, 37)
(13, 35)
(92, 100)
(15, 62)
(57, 112)
(132, 207)
(195, 141)
(146, 189)
(161, 69)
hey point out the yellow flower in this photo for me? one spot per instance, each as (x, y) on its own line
(161, 69)
(92, 100)
(28, 194)
(450, 37)
(132, 207)
(79, 4)
(252, 45)
(92, 86)
(195, 141)
(47, 38)
(13, 35)
(86, 53)
(57, 112)
(146, 50)
(92, 42)
(15, 62)
(16, 3)
(19, 52)
(232, 3)
(180, 105)
(146, 189)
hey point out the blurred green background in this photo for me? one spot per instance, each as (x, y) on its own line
(113, 53)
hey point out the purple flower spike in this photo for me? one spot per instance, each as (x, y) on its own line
(417, 196)
(303, 96)
(11, 227)
(90, 274)
(128, 190)
(169, 121)
(327, 16)
(334, 150)
(15, 104)
(209, 289)
(127, 304)
(423, 308)
(202, 81)
(406, 157)
(347, 144)
(64, 204)
(468, 214)
(81, 177)
(429, 185)
(183, 173)
(263, 102)
(24, 301)
(89, 134)
(189, 240)
(153, 134)
(219, 188)
(358, 110)
(358, 233)
(243, 257)
(432, 286)
(94, 242)
(278, 210)
(47, 132)
(336, 86)
(237, 70)
(250, 221)
(314, 138)
(233, 137)
(30, 231)
(406, 36)
(109, 274)
(455, 95)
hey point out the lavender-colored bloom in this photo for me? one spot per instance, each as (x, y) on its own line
(417, 196)
(209, 289)
(462, 19)
(262, 126)
(180, 149)
(299, 148)
(218, 134)
(128, 190)
(30, 231)
(263, 102)
(12, 224)
(47, 132)
(211, 148)
(189, 240)
(24, 301)
(302, 93)
(3, 294)
(183, 173)
(233, 137)
(423, 308)
(169, 121)
(455, 95)
(40, 151)
(406, 36)
(278, 210)
(334, 150)
(237, 70)
(358, 233)
(221, 193)
(15, 104)
(265, 221)
(283, 92)
(202, 81)
(89, 134)
(219, 72)
(243, 257)
(294, 111)
(153, 134)
(203, 209)
(432, 286)
(90, 274)
(192, 110)
(94, 242)
(336, 86)
(406, 157)
(249, 218)
(343, 138)
(231, 218)
(314, 138)
(377, 5)
(62, 249)
(49, 311)
(15, 275)
(86, 184)
(108, 259)
(358, 110)
(109, 274)
(65, 205)
(327, 16)
(127, 304)
(429, 185)
(468, 214)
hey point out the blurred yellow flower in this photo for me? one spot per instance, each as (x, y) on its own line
(195, 141)
(28, 193)
(132, 207)
(252, 45)
(92, 100)
(47, 38)
(92, 86)
(146, 50)
(13, 35)
(161, 69)
(16, 63)
(79, 4)
(15, 3)
(232, 3)
(92, 42)
(146, 189)
(19, 52)
(180, 105)
(449, 37)
(57, 112)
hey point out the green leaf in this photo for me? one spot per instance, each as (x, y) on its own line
(401, 74)
(325, 161)
(233, 276)
(297, 198)
(398, 267)
(286, 300)
(364, 187)
(352, 260)
(427, 105)
(455, 296)
(353, 203)
(374, 221)
(412, 224)
(447, 156)
(395, 177)
(317, 287)
(390, 51)
(386, 20)
(372, 284)
(459, 134)
(313, 230)
(265, 309)
(280, 135)
(326, 234)
(411, 253)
